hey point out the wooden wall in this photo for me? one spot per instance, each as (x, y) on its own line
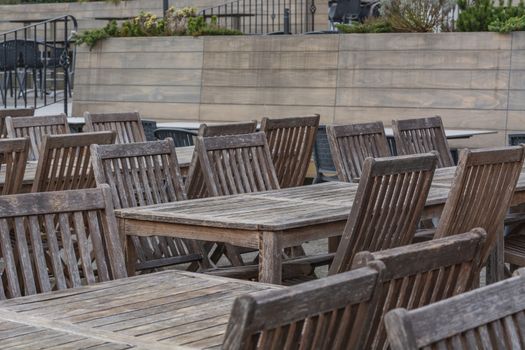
(473, 80)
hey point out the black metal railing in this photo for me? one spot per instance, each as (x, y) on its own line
(265, 16)
(37, 63)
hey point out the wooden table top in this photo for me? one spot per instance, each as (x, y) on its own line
(170, 309)
(184, 155)
(270, 210)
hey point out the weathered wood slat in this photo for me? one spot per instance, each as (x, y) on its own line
(128, 126)
(13, 113)
(13, 157)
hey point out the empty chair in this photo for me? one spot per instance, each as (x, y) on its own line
(195, 185)
(58, 240)
(481, 193)
(36, 128)
(65, 162)
(291, 141)
(330, 313)
(16, 112)
(352, 144)
(420, 274)
(181, 137)
(491, 317)
(324, 164)
(387, 207)
(422, 135)
(13, 157)
(128, 126)
(141, 174)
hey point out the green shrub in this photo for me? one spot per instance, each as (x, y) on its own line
(485, 15)
(176, 22)
(372, 25)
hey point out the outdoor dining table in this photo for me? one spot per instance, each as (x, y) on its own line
(268, 221)
(164, 310)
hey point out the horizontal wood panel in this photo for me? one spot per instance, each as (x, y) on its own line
(138, 76)
(270, 78)
(422, 98)
(313, 43)
(277, 96)
(175, 60)
(270, 60)
(148, 45)
(419, 78)
(187, 94)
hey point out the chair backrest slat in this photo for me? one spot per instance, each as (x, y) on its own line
(36, 128)
(128, 125)
(330, 313)
(291, 142)
(388, 205)
(352, 144)
(195, 183)
(13, 157)
(65, 163)
(39, 236)
(13, 113)
(419, 274)
(141, 174)
(236, 164)
(482, 191)
(491, 317)
(423, 135)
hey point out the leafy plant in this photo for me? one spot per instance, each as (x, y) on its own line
(512, 24)
(416, 15)
(485, 15)
(370, 25)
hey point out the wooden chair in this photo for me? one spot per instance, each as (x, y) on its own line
(13, 157)
(387, 206)
(38, 236)
(352, 144)
(492, 317)
(422, 135)
(330, 313)
(291, 142)
(13, 113)
(195, 185)
(481, 193)
(36, 128)
(141, 174)
(65, 163)
(128, 125)
(181, 137)
(420, 274)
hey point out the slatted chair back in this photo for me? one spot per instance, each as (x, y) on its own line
(236, 164)
(128, 125)
(195, 184)
(181, 137)
(141, 174)
(13, 113)
(58, 240)
(387, 207)
(330, 313)
(481, 193)
(291, 141)
(13, 157)
(65, 163)
(36, 128)
(419, 274)
(352, 144)
(492, 317)
(422, 135)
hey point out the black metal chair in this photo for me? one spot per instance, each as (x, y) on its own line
(7, 68)
(28, 57)
(516, 139)
(323, 158)
(181, 137)
(150, 126)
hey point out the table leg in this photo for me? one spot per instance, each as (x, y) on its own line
(131, 256)
(496, 262)
(270, 263)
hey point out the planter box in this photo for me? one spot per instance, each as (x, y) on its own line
(473, 80)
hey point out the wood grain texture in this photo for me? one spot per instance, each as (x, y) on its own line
(13, 113)
(128, 126)
(13, 157)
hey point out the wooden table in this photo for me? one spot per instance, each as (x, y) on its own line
(165, 310)
(184, 155)
(268, 221)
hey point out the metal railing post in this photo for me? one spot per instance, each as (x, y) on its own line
(286, 21)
